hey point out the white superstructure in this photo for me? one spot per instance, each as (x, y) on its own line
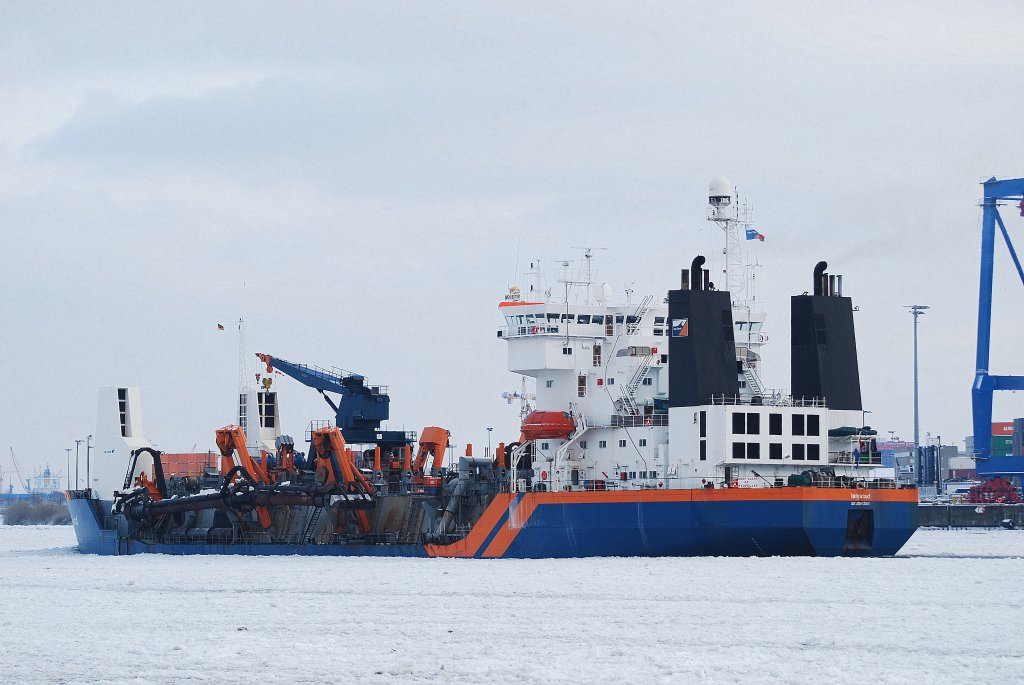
(606, 365)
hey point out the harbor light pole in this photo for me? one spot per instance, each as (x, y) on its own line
(77, 445)
(88, 449)
(68, 472)
(917, 310)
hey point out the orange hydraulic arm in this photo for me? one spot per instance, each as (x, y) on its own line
(341, 467)
(231, 442)
(433, 440)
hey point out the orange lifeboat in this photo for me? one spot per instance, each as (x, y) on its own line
(548, 424)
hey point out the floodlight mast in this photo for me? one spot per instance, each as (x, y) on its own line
(985, 384)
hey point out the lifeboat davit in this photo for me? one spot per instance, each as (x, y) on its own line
(548, 424)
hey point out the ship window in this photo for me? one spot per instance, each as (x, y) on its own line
(622, 443)
(738, 423)
(597, 355)
(659, 320)
(581, 386)
(544, 445)
(643, 474)
(583, 444)
(654, 474)
(549, 384)
(643, 442)
(739, 450)
(798, 424)
(648, 381)
(568, 318)
(566, 350)
(703, 424)
(798, 452)
(775, 450)
(753, 424)
(812, 424)
(754, 450)
(619, 318)
(584, 318)
(611, 381)
(813, 452)
(553, 318)
(602, 443)
(632, 474)
(664, 359)
(519, 318)
(632, 319)
(703, 450)
(775, 424)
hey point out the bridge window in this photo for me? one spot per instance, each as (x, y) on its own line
(739, 424)
(584, 318)
(739, 450)
(798, 452)
(775, 450)
(812, 424)
(798, 425)
(753, 423)
(775, 424)
(754, 450)
(813, 452)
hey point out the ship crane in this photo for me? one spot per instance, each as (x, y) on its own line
(17, 470)
(360, 408)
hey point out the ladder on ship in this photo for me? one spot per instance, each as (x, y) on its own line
(638, 316)
(629, 389)
(307, 534)
(753, 382)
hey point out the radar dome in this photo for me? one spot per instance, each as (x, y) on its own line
(719, 192)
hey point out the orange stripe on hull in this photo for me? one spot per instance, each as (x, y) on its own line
(516, 521)
(469, 545)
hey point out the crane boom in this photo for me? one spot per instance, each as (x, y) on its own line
(21, 479)
(360, 408)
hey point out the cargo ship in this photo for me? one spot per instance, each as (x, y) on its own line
(649, 433)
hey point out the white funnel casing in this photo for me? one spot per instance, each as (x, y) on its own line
(118, 433)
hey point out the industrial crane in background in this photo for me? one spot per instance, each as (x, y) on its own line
(985, 384)
(17, 470)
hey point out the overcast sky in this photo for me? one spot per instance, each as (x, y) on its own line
(369, 171)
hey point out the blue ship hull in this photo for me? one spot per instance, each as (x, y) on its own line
(738, 522)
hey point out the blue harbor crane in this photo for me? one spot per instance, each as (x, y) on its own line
(360, 408)
(985, 384)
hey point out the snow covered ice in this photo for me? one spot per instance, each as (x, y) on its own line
(947, 610)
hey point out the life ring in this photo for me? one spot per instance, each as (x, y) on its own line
(534, 330)
(734, 484)
(543, 475)
(648, 421)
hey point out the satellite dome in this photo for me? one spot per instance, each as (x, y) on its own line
(719, 192)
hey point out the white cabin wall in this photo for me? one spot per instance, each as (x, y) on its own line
(112, 451)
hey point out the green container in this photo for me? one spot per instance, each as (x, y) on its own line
(1002, 445)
